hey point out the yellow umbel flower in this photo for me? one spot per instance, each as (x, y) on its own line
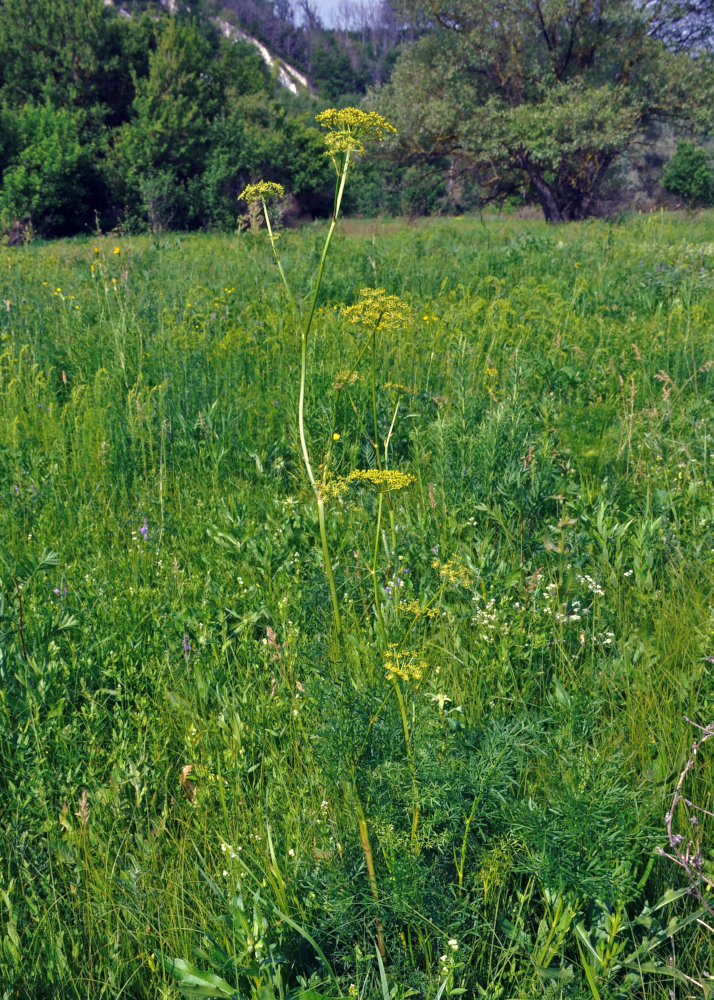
(384, 479)
(403, 665)
(262, 191)
(454, 571)
(349, 128)
(413, 607)
(377, 310)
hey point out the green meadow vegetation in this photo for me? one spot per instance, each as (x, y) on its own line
(215, 782)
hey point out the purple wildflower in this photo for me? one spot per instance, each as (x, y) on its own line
(186, 646)
(144, 529)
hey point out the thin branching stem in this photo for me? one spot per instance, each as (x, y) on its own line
(304, 334)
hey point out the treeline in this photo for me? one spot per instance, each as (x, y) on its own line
(138, 116)
(141, 117)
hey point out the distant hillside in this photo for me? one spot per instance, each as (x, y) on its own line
(285, 74)
(358, 53)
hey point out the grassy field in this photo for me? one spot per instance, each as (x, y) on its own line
(472, 773)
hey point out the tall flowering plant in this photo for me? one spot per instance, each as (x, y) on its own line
(347, 132)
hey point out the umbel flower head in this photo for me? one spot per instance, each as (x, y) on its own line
(262, 191)
(383, 479)
(377, 310)
(349, 128)
(453, 571)
(403, 665)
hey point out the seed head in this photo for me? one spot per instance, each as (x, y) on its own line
(345, 377)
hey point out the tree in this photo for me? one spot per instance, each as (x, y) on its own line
(545, 93)
(49, 180)
(54, 50)
(160, 152)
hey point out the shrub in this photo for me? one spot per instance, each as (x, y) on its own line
(690, 175)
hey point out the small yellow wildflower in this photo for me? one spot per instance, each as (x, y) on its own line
(384, 479)
(349, 128)
(116, 250)
(403, 665)
(336, 436)
(96, 249)
(413, 607)
(375, 309)
(262, 191)
(454, 571)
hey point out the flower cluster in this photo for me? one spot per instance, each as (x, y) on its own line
(262, 191)
(331, 489)
(379, 311)
(403, 665)
(488, 621)
(398, 387)
(454, 571)
(345, 377)
(383, 479)
(349, 128)
(413, 607)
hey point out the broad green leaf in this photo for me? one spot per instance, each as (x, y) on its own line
(194, 982)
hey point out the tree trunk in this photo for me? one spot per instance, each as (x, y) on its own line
(551, 209)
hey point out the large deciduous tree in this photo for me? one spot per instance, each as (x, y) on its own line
(548, 93)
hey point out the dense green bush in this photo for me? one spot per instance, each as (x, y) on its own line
(49, 179)
(690, 174)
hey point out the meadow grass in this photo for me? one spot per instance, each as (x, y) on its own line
(192, 758)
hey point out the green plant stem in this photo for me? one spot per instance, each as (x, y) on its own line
(377, 604)
(372, 721)
(304, 333)
(369, 861)
(273, 241)
(390, 507)
(416, 617)
(410, 759)
(328, 564)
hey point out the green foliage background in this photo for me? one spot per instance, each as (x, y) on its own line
(157, 121)
(153, 120)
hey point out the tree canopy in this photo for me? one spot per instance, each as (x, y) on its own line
(547, 93)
